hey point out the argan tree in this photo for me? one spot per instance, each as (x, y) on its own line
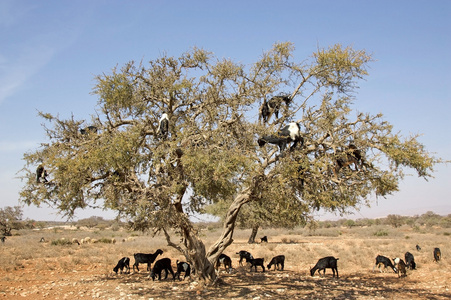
(10, 218)
(210, 154)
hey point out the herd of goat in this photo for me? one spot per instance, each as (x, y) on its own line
(398, 265)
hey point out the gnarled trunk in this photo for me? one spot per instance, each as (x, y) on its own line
(229, 225)
(194, 249)
(253, 234)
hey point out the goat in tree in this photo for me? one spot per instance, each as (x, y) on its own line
(163, 126)
(41, 173)
(272, 106)
(88, 130)
(290, 133)
(352, 156)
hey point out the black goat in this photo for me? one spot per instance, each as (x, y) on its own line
(346, 158)
(418, 248)
(328, 262)
(124, 262)
(3, 239)
(143, 258)
(226, 261)
(163, 126)
(41, 173)
(183, 267)
(88, 129)
(272, 106)
(256, 262)
(410, 261)
(278, 262)
(160, 265)
(264, 239)
(382, 260)
(244, 255)
(402, 268)
(437, 254)
(289, 133)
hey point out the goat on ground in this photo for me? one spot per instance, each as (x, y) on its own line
(124, 262)
(226, 261)
(244, 255)
(401, 268)
(437, 254)
(410, 261)
(143, 258)
(382, 260)
(256, 262)
(264, 239)
(160, 265)
(418, 248)
(182, 267)
(289, 133)
(328, 262)
(278, 262)
(3, 238)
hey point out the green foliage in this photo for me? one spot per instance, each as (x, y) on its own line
(350, 223)
(381, 232)
(10, 218)
(210, 160)
(61, 242)
(394, 220)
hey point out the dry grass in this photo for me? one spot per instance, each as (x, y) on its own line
(32, 266)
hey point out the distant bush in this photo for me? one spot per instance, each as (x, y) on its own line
(381, 232)
(331, 232)
(105, 240)
(61, 242)
(288, 241)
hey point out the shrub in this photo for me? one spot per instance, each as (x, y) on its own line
(105, 240)
(381, 232)
(61, 242)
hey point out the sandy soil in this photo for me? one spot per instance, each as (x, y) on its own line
(49, 278)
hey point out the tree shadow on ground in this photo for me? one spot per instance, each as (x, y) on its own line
(282, 285)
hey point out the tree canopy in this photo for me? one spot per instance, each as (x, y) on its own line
(10, 218)
(211, 155)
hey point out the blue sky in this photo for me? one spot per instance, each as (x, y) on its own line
(50, 52)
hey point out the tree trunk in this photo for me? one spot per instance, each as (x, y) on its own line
(229, 225)
(253, 234)
(194, 249)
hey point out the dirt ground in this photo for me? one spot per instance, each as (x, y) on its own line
(60, 278)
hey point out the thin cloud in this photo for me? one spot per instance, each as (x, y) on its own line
(14, 72)
(23, 57)
(12, 11)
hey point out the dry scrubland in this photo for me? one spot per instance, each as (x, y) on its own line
(34, 270)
